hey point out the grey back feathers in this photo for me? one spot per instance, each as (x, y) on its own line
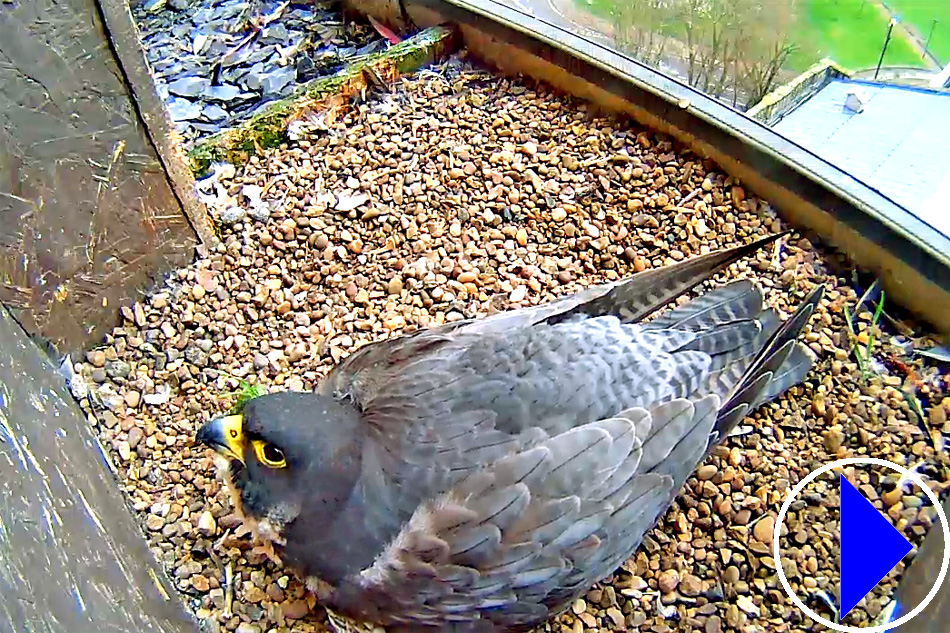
(512, 461)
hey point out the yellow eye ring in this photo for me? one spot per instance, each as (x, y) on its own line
(268, 454)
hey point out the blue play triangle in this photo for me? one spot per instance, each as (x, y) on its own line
(870, 547)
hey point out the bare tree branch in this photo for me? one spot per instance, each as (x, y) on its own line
(732, 49)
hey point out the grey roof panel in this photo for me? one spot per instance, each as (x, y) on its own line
(899, 144)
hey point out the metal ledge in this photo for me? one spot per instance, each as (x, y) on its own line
(910, 256)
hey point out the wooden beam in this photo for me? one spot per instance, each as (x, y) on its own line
(127, 45)
(71, 555)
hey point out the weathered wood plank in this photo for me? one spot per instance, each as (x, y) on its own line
(71, 555)
(87, 215)
(127, 45)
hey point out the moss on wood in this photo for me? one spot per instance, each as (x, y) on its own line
(269, 128)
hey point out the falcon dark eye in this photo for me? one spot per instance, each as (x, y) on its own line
(269, 455)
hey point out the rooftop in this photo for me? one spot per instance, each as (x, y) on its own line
(898, 144)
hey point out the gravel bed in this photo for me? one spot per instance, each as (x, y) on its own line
(218, 62)
(461, 194)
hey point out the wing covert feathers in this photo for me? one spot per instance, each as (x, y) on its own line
(550, 439)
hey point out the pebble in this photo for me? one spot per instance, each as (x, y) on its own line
(118, 369)
(232, 215)
(154, 522)
(764, 530)
(124, 450)
(690, 585)
(206, 524)
(833, 439)
(254, 594)
(135, 436)
(133, 398)
(668, 581)
(97, 358)
(892, 497)
(260, 213)
(200, 583)
(522, 237)
(937, 416)
(731, 574)
(616, 617)
(295, 609)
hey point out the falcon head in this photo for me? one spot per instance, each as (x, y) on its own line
(290, 461)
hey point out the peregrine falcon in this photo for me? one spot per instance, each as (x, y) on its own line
(479, 476)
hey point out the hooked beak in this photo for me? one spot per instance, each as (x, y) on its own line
(225, 435)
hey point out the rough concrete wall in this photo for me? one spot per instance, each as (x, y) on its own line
(71, 556)
(87, 215)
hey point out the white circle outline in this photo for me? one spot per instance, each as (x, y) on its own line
(776, 534)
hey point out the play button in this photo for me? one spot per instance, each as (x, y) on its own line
(870, 547)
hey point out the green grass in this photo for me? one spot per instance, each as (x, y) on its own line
(864, 352)
(603, 8)
(244, 394)
(920, 14)
(849, 31)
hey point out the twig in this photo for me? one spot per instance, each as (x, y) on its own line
(594, 160)
(218, 65)
(228, 589)
(692, 194)
(370, 76)
(384, 31)
(158, 584)
(829, 602)
(777, 253)
(270, 183)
